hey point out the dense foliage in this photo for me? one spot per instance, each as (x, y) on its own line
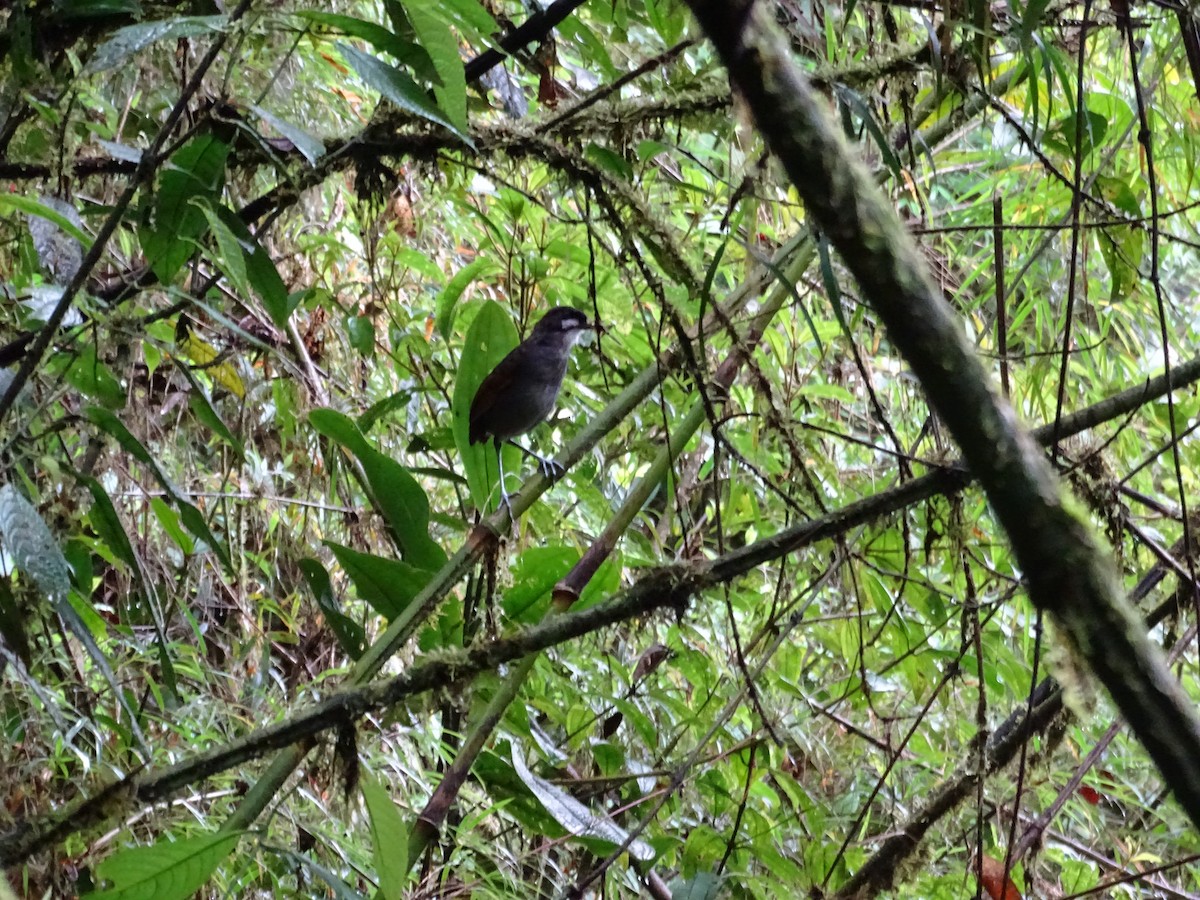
(266, 629)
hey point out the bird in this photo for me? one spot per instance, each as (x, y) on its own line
(519, 394)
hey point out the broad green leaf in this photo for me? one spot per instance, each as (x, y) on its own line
(701, 886)
(534, 575)
(439, 42)
(206, 414)
(611, 162)
(261, 272)
(349, 633)
(229, 253)
(167, 870)
(447, 302)
(389, 838)
(94, 379)
(489, 339)
(361, 331)
(399, 87)
(382, 408)
(389, 585)
(196, 170)
(470, 17)
(396, 493)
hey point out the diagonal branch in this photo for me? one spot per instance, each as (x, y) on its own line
(1068, 572)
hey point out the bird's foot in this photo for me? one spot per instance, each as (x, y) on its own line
(551, 468)
(506, 501)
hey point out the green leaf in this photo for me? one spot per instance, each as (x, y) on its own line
(191, 517)
(206, 414)
(361, 331)
(310, 146)
(534, 575)
(31, 207)
(229, 255)
(611, 162)
(397, 495)
(389, 585)
(107, 524)
(132, 39)
(399, 87)
(574, 816)
(489, 339)
(196, 170)
(351, 635)
(701, 886)
(167, 870)
(470, 17)
(92, 378)
(447, 301)
(260, 269)
(434, 34)
(381, 408)
(27, 539)
(412, 55)
(389, 838)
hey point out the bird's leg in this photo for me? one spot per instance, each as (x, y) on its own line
(552, 469)
(504, 498)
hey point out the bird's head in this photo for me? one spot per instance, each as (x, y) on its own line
(563, 324)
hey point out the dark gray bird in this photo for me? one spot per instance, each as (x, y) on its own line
(519, 393)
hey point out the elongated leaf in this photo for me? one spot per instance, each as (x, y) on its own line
(206, 413)
(349, 633)
(29, 542)
(260, 269)
(196, 170)
(107, 524)
(389, 585)
(168, 870)
(32, 546)
(447, 302)
(396, 493)
(132, 39)
(229, 253)
(389, 838)
(574, 816)
(412, 55)
(92, 378)
(490, 337)
(400, 88)
(434, 34)
(310, 146)
(701, 886)
(191, 517)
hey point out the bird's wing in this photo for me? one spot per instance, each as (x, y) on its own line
(490, 390)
